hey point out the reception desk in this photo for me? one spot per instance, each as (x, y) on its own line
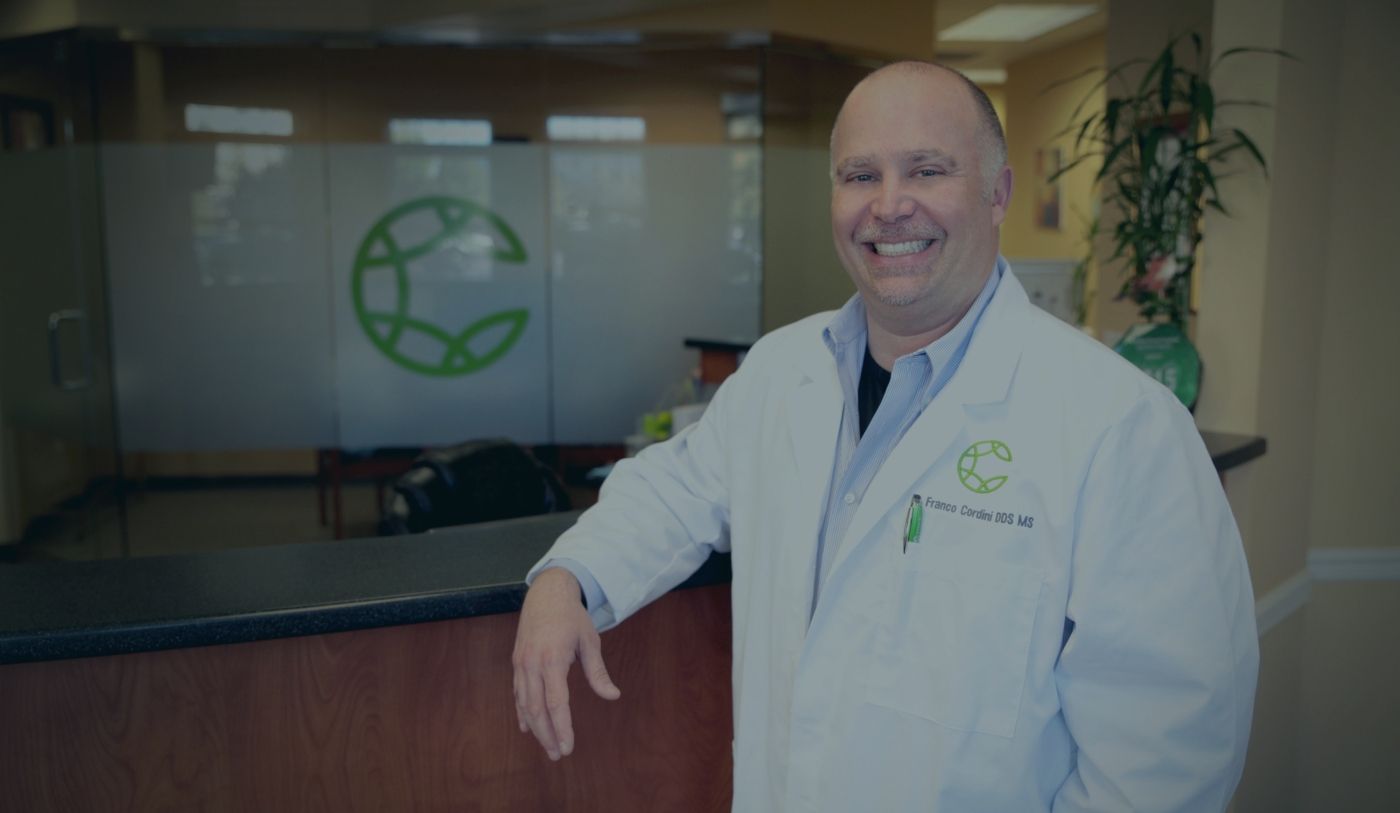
(369, 674)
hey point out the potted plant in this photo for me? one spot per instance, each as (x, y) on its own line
(1160, 154)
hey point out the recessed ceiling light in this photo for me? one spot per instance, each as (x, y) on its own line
(441, 132)
(1015, 22)
(216, 118)
(596, 128)
(986, 76)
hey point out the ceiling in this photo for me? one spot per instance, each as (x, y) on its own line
(992, 55)
(469, 21)
(431, 18)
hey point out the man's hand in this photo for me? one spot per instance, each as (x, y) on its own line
(555, 630)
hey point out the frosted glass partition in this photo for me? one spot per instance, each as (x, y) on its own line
(272, 296)
(219, 295)
(803, 275)
(441, 308)
(651, 245)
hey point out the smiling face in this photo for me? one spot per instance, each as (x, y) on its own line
(915, 214)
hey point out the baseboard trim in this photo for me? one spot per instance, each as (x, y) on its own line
(1282, 601)
(1325, 565)
(1354, 564)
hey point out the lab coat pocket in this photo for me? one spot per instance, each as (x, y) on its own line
(955, 645)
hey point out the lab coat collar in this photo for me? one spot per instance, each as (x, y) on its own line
(814, 408)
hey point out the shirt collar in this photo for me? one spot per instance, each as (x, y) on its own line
(848, 325)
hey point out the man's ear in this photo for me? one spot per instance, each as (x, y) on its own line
(1001, 195)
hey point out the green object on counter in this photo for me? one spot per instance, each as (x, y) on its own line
(1163, 352)
(657, 425)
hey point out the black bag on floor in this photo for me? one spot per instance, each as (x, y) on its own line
(478, 481)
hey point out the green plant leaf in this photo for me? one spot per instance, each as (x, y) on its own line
(1203, 99)
(1207, 176)
(1148, 148)
(1108, 77)
(1111, 109)
(1071, 79)
(1111, 156)
(1218, 156)
(1247, 49)
(1083, 129)
(1155, 69)
(1240, 103)
(1067, 167)
(1126, 191)
(1253, 149)
(1164, 87)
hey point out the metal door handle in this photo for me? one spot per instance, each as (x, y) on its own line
(56, 319)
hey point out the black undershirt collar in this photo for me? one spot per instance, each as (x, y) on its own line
(874, 380)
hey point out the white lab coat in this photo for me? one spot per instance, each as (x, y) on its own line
(1097, 653)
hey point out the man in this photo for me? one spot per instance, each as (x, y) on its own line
(980, 563)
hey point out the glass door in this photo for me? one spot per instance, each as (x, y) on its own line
(60, 472)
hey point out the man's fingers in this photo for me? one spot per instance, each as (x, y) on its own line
(591, 653)
(537, 715)
(556, 698)
(519, 701)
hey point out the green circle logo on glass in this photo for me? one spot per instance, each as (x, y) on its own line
(455, 224)
(980, 456)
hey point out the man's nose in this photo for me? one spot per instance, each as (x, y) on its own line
(893, 202)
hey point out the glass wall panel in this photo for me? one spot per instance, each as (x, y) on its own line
(315, 251)
(651, 246)
(221, 307)
(442, 314)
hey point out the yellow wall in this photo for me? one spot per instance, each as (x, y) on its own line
(1294, 325)
(1355, 478)
(1350, 731)
(1035, 115)
(997, 95)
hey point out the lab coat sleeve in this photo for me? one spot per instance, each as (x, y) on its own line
(1157, 675)
(659, 516)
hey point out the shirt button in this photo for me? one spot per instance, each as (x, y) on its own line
(850, 499)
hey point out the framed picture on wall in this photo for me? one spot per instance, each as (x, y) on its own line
(25, 124)
(1048, 161)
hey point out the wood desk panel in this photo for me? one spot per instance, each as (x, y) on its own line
(415, 717)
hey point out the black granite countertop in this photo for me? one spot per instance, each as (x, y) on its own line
(55, 610)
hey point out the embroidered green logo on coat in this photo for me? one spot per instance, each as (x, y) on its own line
(977, 466)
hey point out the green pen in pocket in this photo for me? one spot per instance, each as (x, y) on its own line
(913, 521)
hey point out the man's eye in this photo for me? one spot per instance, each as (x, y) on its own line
(863, 177)
(929, 172)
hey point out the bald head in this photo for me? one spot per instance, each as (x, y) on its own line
(991, 140)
